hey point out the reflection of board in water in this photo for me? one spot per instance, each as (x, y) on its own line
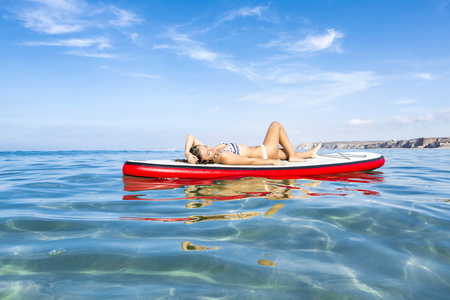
(335, 163)
(206, 192)
(211, 191)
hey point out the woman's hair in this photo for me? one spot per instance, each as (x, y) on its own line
(196, 152)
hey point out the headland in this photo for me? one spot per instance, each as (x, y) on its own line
(418, 143)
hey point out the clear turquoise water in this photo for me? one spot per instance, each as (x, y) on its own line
(72, 227)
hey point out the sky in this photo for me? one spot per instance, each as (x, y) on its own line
(142, 75)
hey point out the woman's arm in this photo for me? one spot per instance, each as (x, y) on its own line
(191, 140)
(228, 158)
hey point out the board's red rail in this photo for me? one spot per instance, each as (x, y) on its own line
(154, 170)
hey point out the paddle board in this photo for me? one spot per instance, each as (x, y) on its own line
(324, 164)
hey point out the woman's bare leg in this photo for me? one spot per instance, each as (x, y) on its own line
(311, 153)
(275, 136)
(302, 154)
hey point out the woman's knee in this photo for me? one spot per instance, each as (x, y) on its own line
(275, 124)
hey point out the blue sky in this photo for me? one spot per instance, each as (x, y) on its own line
(139, 75)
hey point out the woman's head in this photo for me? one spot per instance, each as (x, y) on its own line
(204, 153)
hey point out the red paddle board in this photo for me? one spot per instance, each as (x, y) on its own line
(334, 163)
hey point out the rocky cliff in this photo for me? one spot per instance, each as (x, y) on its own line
(443, 142)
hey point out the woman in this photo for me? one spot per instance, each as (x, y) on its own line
(268, 153)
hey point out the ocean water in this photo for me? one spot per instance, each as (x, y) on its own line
(72, 227)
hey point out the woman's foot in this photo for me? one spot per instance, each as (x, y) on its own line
(308, 154)
(315, 150)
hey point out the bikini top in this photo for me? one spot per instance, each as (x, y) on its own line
(232, 147)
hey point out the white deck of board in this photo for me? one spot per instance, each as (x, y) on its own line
(321, 160)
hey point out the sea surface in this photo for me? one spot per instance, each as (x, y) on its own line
(72, 227)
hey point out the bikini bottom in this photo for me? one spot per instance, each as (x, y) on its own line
(264, 152)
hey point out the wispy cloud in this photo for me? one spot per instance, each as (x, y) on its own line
(258, 12)
(132, 74)
(81, 47)
(359, 122)
(123, 18)
(183, 45)
(141, 75)
(212, 110)
(100, 43)
(243, 12)
(312, 43)
(299, 85)
(404, 101)
(91, 54)
(314, 87)
(52, 16)
(425, 76)
(442, 116)
(50, 23)
(69, 16)
(134, 37)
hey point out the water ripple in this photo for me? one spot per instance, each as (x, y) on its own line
(368, 235)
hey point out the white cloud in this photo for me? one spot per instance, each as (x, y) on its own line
(134, 37)
(404, 101)
(213, 110)
(425, 76)
(131, 74)
(315, 43)
(246, 11)
(51, 16)
(200, 53)
(306, 86)
(66, 17)
(287, 75)
(312, 87)
(275, 97)
(184, 46)
(85, 53)
(42, 22)
(124, 18)
(69, 16)
(243, 12)
(67, 5)
(312, 43)
(358, 122)
(441, 116)
(141, 75)
(334, 83)
(100, 43)
(401, 120)
(190, 49)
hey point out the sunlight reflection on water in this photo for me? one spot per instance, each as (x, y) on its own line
(381, 234)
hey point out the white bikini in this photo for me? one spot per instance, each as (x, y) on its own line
(264, 152)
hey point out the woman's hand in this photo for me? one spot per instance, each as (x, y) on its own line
(191, 158)
(191, 140)
(278, 162)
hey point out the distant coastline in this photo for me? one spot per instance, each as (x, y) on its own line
(417, 143)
